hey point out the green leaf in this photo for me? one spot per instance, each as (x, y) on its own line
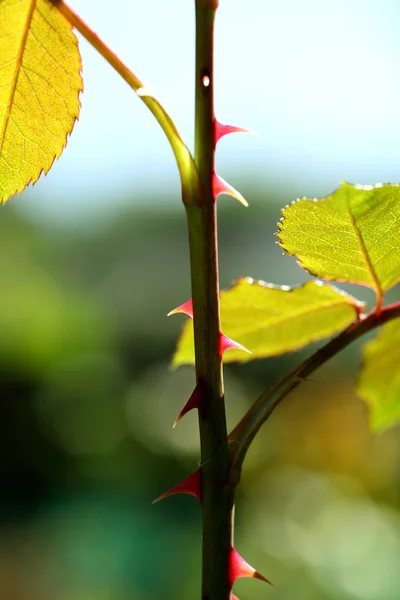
(40, 83)
(379, 378)
(271, 320)
(352, 235)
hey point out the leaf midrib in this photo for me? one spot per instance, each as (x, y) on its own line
(378, 288)
(18, 67)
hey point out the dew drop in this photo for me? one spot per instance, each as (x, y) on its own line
(205, 80)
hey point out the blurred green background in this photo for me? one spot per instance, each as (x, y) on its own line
(87, 403)
(93, 259)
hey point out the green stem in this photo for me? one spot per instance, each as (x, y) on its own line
(243, 434)
(190, 180)
(197, 194)
(217, 495)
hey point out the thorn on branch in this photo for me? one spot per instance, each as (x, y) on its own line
(220, 130)
(195, 401)
(191, 486)
(185, 308)
(226, 343)
(220, 186)
(238, 567)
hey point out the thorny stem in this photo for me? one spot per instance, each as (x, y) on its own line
(217, 495)
(243, 434)
(196, 177)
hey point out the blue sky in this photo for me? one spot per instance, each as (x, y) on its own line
(319, 81)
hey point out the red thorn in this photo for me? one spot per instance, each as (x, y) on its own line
(220, 186)
(233, 597)
(191, 486)
(226, 343)
(221, 130)
(186, 308)
(238, 567)
(193, 402)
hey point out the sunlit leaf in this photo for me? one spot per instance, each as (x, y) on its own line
(352, 235)
(272, 320)
(40, 83)
(379, 379)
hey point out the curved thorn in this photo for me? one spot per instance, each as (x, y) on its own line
(226, 343)
(193, 402)
(191, 486)
(233, 597)
(220, 186)
(221, 130)
(185, 308)
(238, 567)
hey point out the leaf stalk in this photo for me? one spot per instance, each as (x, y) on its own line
(190, 180)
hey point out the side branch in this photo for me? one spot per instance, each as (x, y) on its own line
(191, 184)
(243, 434)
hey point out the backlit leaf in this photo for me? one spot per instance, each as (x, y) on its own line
(379, 379)
(40, 83)
(272, 320)
(352, 235)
